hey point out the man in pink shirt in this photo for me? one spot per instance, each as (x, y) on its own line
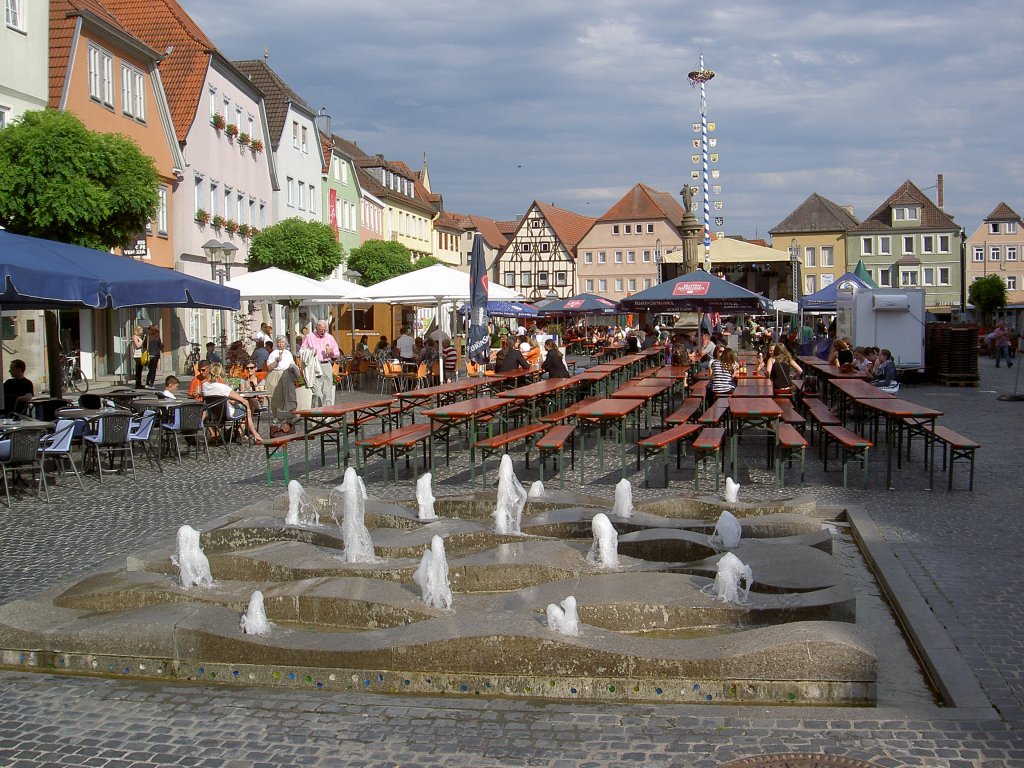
(326, 348)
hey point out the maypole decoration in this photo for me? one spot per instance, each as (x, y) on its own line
(701, 76)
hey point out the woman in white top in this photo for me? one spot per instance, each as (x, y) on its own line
(215, 387)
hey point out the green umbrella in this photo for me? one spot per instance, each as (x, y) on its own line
(861, 271)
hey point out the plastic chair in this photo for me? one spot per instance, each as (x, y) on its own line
(417, 378)
(390, 375)
(186, 421)
(345, 371)
(220, 418)
(140, 432)
(472, 369)
(110, 439)
(23, 451)
(58, 447)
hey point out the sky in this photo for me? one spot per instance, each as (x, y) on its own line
(573, 103)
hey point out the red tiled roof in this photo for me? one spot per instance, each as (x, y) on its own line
(161, 24)
(932, 217)
(643, 202)
(568, 226)
(1003, 212)
(507, 228)
(62, 29)
(489, 228)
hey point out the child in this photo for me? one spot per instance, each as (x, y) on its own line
(170, 387)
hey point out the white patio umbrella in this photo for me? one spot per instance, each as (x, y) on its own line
(273, 284)
(344, 292)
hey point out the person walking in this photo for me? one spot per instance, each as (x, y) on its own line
(1002, 345)
(325, 348)
(155, 348)
(138, 342)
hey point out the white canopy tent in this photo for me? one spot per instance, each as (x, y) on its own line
(273, 284)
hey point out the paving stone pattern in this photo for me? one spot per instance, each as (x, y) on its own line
(961, 549)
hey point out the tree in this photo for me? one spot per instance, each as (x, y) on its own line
(988, 294)
(61, 181)
(379, 260)
(306, 248)
(426, 261)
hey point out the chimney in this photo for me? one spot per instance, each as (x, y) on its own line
(323, 121)
(939, 194)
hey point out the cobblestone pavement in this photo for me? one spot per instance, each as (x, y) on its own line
(961, 549)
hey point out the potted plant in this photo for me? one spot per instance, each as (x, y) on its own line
(253, 231)
(243, 138)
(231, 130)
(231, 226)
(202, 216)
(218, 121)
(218, 221)
(243, 230)
(257, 146)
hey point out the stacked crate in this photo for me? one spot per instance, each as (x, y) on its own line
(951, 351)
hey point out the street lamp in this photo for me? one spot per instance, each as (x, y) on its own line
(794, 263)
(658, 258)
(221, 257)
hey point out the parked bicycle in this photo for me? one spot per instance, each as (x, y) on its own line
(72, 376)
(192, 358)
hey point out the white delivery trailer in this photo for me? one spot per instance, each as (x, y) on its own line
(887, 318)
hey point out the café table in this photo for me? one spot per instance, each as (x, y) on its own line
(42, 407)
(336, 418)
(123, 398)
(540, 393)
(507, 379)
(751, 413)
(441, 393)
(465, 411)
(606, 412)
(672, 372)
(752, 388)
(600, 379)
(853, 390)
(650, 391)
(894, 410)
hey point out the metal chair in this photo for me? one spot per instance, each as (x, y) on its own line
(220, 418)
(109, 440)
(140, 433)
(58, 447)
(186, 421)
(22, 452)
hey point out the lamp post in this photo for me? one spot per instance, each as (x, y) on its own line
(794, 263)
(658, 260)
(221, 256)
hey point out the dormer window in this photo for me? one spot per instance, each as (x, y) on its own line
(906, 213)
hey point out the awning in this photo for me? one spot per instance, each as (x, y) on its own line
(697, 291)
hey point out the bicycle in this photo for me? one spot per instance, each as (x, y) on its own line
(192, 358)
(72, 376)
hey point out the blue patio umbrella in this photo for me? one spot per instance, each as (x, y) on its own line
(582, 304)
(697, 291)
(43, 273)
(505, 309)
(826, 299)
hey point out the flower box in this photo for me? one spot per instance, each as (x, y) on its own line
(231, 226)
(218, 221)
(257, 146)
(202, 216)
(243, 138)
(218, 121)
(231, 130)
(243, 230)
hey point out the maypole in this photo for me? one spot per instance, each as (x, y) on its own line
(701, 76)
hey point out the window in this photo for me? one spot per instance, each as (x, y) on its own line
(263, 214)
(631, 257)
(101, 75)
(200, 199)
(1011, 282)
(252, 211)
(602, 286)
(305, 139)
(228, 213)
(252, 127)
(344, 173)
(601, 257)
(647, 256)
(161, 210)
(905, 213)
(943, 275)
(943, 243)
(560, 278)
(588, 286)
(312, 199)
(1010, 228)
(525, 279)
(618, 257)
(885, 278)
(631, 284)
(927, 243)
(627, 229)
(542, 279)
(810, 253)
(3, 117)
(827, 256)
(510, 279)
(928, 276)
(588, 257)
(302, 196)
(290, 192)
(13, 15)
(994, 252)
(213, 102)
(214, 194)
(908, 244)
(884, 246)
(810, 284)
(993, 227)
(133, 93)
(650, 229)
(615, 229)
(527, 247)
(908, 278)
(647, 283)
(618, 285)
(535, 223)
(867, 246)
(827, 278)
(240, 207)
(979, 253)
(295, 134)
(1011, 253)
(545, 247)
